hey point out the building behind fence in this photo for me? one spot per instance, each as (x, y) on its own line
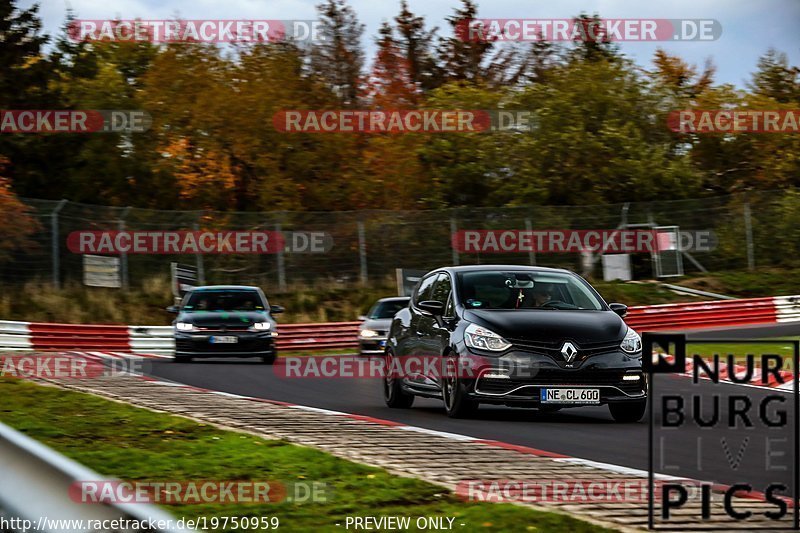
(754, 230)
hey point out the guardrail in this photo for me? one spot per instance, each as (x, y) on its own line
(308, 337)
(35, 486)
(718, 313)
(328, 336)
(343, 335)
(157, 339)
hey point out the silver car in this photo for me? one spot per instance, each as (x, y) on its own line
(372, 331)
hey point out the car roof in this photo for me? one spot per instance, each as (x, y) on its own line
(225, 288)
(478, 268)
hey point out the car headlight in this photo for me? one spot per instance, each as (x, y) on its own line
(483, 339)
(368, 333)
(261, 326)
(184, 326)
(632, 343)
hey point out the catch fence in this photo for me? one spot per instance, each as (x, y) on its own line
(753, 230)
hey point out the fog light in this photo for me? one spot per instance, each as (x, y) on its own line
(496, 373)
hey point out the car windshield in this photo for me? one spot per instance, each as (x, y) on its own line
(386, 309)
(492, 289)
(223, 300)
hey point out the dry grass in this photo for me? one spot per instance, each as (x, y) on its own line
(323, 300)
(144, 304)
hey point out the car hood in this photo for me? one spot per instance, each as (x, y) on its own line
(380, 324)
(551, 326)
(223, 318)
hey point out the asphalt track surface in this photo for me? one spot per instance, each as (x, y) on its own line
(585, 432)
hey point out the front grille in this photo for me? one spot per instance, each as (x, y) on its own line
(553, 349)
(237, 327)
(555, 377)
(203, 345)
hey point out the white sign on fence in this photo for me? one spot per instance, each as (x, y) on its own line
(184, 278)
(101, 271)
(617, 266)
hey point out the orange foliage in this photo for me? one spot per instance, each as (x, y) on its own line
(17, 226)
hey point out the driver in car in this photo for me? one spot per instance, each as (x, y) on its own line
(541, 296)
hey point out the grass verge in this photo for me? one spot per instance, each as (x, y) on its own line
(132, 443)
(331, 301)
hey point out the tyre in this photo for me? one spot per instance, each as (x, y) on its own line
(393, 393)
(628, 412)
(454, 393)
(182, 359)
(269, 359)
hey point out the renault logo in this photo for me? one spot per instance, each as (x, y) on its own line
(569, 351)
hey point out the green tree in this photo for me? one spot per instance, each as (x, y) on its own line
(339, 59)
(416, 44)
(776, 79)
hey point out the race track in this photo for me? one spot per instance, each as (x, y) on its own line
(587, 433)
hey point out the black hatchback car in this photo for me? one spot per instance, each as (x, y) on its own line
(518, 336)
(225, 321)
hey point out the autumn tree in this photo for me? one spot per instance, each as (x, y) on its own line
(776, 79)
(465, 54)
(339, 58)
(416, 45)
(17, 225)
(392, 172)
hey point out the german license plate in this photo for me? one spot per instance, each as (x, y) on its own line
(581, 396)
(223, 340)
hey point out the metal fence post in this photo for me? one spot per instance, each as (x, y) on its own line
(532, 251)
(453, 229)
(201, 272)
(123, 256)
(54, 243)
(281, 263)
(362, 251)
(748, 228)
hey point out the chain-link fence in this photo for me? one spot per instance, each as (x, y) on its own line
(753, 230)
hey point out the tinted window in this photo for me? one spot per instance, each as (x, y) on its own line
(223, 300)
(386, 309)
(492, 289)
(441, 290)
(424, 289)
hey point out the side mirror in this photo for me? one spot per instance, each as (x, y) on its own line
(275, 309)
(172, 308)
(432, 306)
(362, 318)
(620, 309)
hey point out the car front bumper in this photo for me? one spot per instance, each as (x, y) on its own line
(248, 344)
(527, 374)
(372, 345)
